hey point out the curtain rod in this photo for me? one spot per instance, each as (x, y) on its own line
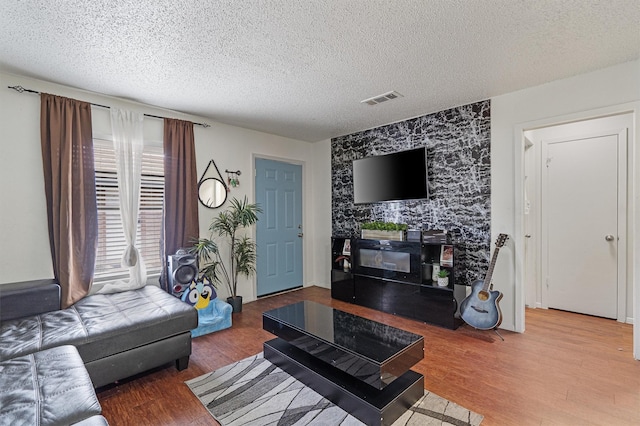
(21, 89)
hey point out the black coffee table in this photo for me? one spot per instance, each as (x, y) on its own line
(362, 366)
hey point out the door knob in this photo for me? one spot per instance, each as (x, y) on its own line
(609, 237)
(300, 234)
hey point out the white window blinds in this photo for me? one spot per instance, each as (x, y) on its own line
(111, 240)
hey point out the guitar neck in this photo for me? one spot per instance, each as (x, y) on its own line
(489, 276)
(487, 279)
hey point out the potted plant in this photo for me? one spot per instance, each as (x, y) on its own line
(242, 249)
(383, 231)
(443, 278)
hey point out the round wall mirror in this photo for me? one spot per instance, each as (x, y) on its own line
(212, 192)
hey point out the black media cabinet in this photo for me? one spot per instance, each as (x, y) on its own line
(341, 276)
(396, 277)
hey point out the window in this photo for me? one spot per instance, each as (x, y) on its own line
(111, 241)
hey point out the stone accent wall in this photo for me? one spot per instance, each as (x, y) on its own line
(459, 178)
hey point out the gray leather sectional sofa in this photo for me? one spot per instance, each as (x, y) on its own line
(116, 335)
(49, 387)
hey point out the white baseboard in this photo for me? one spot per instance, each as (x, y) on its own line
(536, 305)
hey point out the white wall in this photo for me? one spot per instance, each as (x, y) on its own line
(320, 242)
(24, 250)
(602, 90)
(235, 148)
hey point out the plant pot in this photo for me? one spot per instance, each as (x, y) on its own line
(375, 234)
(435, 270)
(236, 303)
(443, 282)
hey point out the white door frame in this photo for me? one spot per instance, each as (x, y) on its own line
(531, 223)
(633, 170)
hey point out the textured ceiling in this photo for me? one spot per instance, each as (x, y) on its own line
(299, 68)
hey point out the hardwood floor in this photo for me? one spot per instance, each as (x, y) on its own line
(566, 369)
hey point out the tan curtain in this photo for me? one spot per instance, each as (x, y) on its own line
(180, 219)
(70, 189)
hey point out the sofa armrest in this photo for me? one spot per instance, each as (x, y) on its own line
(26, 298)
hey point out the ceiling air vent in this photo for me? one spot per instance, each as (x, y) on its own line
(381, 98)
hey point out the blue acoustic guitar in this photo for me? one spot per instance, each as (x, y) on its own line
(480, 309)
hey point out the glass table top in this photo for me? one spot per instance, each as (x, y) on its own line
(373, 340)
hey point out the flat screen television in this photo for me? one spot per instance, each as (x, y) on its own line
(391, 177)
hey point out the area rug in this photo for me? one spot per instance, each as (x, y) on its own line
(254, 392)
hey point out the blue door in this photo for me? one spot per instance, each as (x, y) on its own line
(279, 227)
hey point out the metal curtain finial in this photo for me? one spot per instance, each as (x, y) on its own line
(21, 89)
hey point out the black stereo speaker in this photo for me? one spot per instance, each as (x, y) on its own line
(183, 268)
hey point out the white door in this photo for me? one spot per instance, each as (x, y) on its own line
(583, 212)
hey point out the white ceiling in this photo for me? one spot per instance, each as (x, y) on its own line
(299, 68)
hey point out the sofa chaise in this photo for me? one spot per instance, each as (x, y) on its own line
(116, 335)
(46, 388)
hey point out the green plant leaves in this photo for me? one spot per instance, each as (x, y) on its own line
(384, 226)
(245, 256)
(242, 255)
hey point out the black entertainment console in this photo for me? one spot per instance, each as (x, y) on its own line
(396, 277)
